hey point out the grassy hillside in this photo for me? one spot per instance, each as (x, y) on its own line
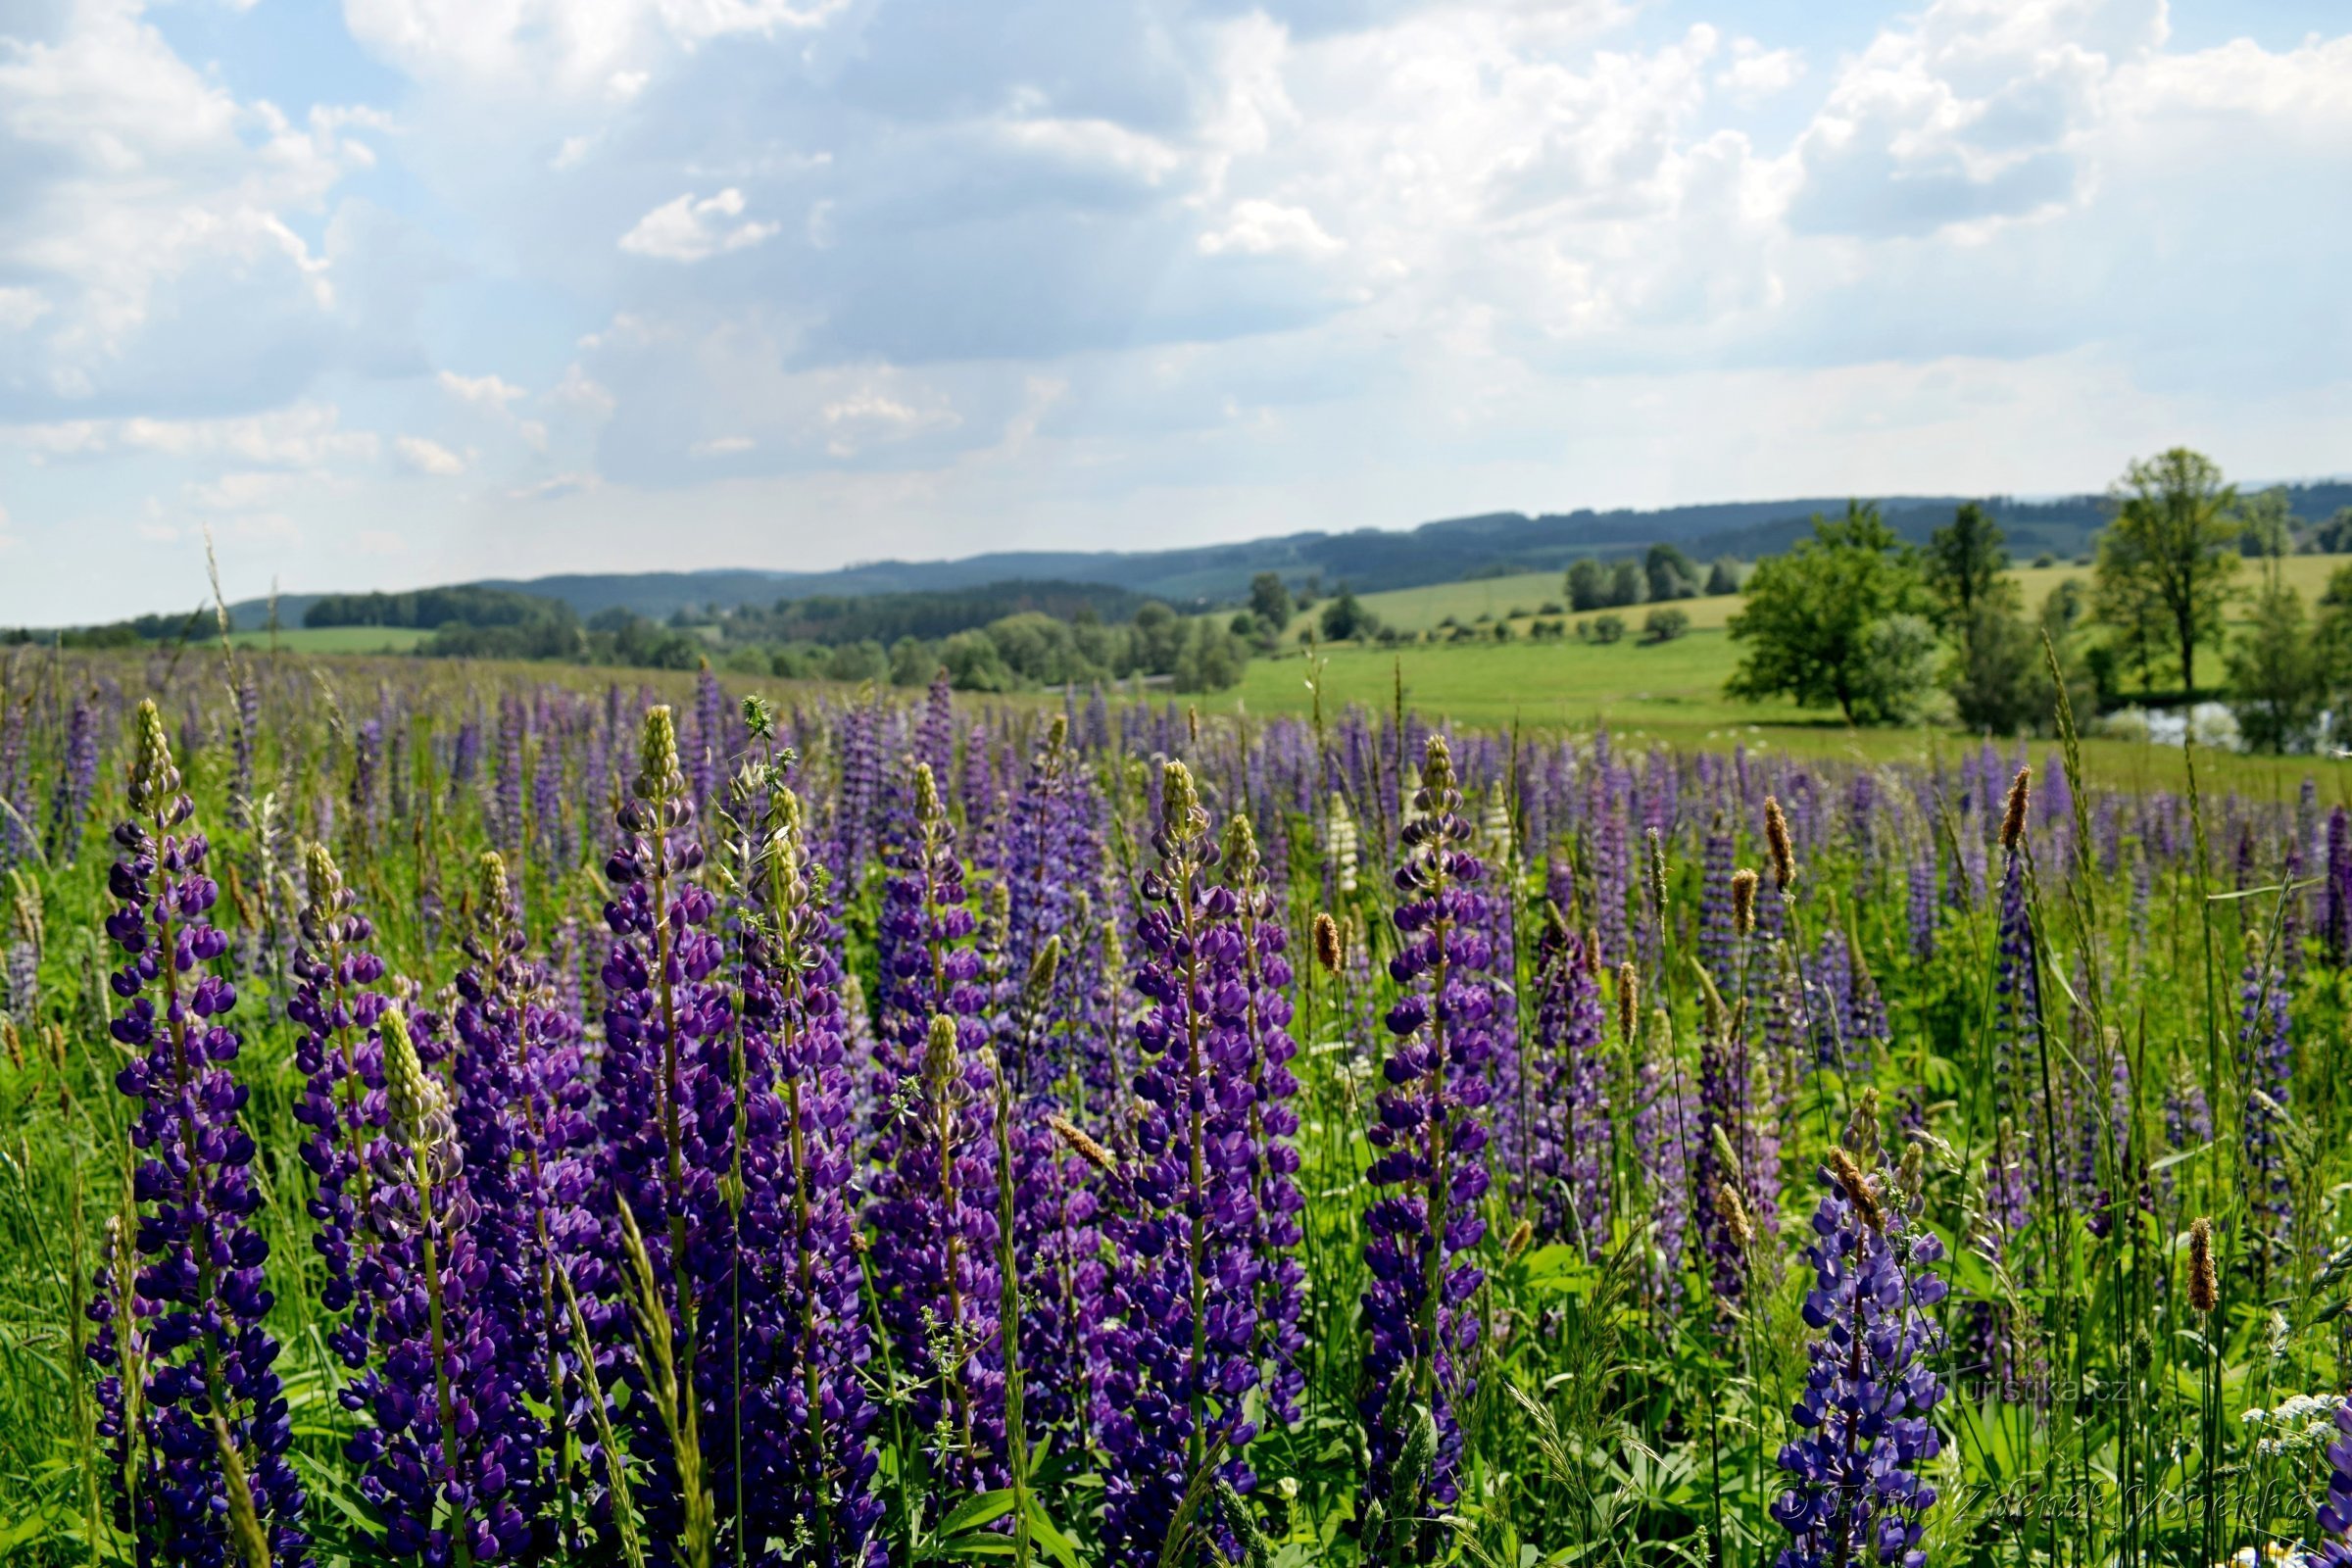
(1518, 597)
(336, 639)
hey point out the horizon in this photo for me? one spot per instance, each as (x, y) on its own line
(390, 295)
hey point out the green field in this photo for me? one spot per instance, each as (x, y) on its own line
(1520, 597)
(336, 639)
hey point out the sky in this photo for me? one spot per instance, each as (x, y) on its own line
(398, 292)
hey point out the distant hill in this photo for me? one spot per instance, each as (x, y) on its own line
(1369, 560)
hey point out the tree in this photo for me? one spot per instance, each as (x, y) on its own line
(2334, 536)
(2266, 524)
(1587, 587)
(1608, 627)
(1270, 600)
(1625, 583)
(1665, 625)
(2166, 559)
(1344, 618)
(1964, 567)
(1723, 577)
(1808, 623)
(1671, 573)
(2277, 681)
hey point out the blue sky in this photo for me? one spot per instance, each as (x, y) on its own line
(405, 291)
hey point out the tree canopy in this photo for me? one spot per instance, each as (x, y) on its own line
(1815, 628)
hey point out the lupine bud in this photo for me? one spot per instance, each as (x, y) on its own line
(1744, 902)
(1327, 943)
(2204, 1282)
(2013, 820)
(1629, 1000)
(1776, 841)
(1857, 1189)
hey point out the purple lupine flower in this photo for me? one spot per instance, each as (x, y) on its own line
(200, 1440)
(449, 1436)
(1665, 1131)
(2265, 1056)
(707, 748)
(76, 782)
(668, 1110)
(1569, 1197)
(933, 1193)
(935, 740)
(1183, 1360)
(1718, 945)
(804, 1409)
(1856, 1493)
(2333, 1519)
(2017, 1020)
(342, 1102)
(522, 1121)
(1431, 1142)
(1273, 1125)
(2337, 930)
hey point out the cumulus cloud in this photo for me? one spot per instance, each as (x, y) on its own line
(419, 455)
(686, 230)
(999, 273)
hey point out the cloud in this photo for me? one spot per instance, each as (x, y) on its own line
(1259, 228)
(419, 455)
(1210, 267)
(489, 392)
(689, 230)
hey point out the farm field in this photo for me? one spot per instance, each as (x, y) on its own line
(1671, 692)
(1518, 597)
(335, 639)
(1039, 1109)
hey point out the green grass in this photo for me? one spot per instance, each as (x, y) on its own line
(336, 639)
(1517, 598)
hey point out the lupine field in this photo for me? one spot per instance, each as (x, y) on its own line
(458, 1116)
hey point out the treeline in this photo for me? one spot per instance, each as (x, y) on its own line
(430, 608)
(836, 619)
(1856, 619)
(1011, 653)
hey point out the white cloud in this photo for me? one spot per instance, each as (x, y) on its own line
(1756, 72)
(1259, 228)
(481, 391)
(420, 455)
(378, 542)
(20, 307)
(726, 446)
(689, 230)
(237, 492)
(302, 435)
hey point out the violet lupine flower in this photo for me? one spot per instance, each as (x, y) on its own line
(450, 1436)
(1183, 1361)
(1718, 943)
(2265, 1056)
(342, 1102)
(934, 1191)
(805, 1410)
(2016, 1007)
(2333, 1517)
(1665, 1137)
(522, 1121)
(1569, 1179)
(1431, 1145)
(2337, 927)
(1733, 1118)
(199, 1439)
(935, 740)
(667, 1103)
(76, 782)
(1856, 1493)
(1057, 1053)
(1273, 1125)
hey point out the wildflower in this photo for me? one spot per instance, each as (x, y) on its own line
(189, 1394)
(1429, 1138)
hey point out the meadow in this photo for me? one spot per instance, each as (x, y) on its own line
(471, 1113)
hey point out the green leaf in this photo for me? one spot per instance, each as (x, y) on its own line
(984, 1507)
(1060, 1547)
